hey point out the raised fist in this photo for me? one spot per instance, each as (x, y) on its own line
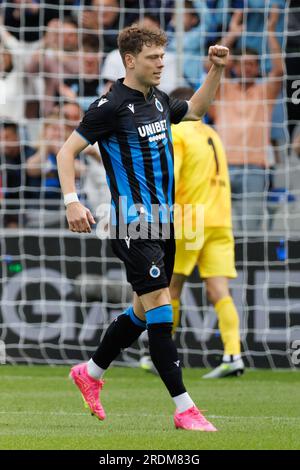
(218, 55)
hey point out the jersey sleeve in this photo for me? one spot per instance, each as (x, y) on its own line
(98, 121)
(178, 109)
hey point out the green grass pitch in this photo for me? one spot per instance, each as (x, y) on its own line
(41, 409)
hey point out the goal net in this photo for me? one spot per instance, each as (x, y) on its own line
(59, 290)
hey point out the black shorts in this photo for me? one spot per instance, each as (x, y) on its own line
(149, 263)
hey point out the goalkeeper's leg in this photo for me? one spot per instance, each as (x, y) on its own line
(176, 286)
(218, 293)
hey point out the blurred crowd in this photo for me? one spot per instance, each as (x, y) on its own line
(57, 57)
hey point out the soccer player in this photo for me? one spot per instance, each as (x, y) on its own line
(201, 178)
(132, 125)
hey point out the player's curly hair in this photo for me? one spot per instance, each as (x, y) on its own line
(132, 39)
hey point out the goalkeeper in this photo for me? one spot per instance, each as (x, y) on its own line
(201, 179)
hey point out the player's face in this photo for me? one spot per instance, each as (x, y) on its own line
(148, 65)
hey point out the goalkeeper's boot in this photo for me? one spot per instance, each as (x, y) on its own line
(147, 365)
(193, 420)
(90, 389)
(227, 369)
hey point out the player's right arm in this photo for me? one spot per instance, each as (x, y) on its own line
(79, 217)
(98, 121)
(204, 96)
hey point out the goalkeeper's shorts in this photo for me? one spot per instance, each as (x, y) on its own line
(214, 258)
(149, 263)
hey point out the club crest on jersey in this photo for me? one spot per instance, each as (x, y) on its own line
(158, 105)
(154, 271)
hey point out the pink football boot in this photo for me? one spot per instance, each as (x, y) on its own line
(90, 389)
(193, 420)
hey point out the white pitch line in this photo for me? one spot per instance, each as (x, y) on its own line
(146, 415)
(42, 413)
(287, 418)
(33, 377)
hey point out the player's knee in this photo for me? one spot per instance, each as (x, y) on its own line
(175, 292)
(216, 290)
(156, 299)
(176, 286)
(213, 296)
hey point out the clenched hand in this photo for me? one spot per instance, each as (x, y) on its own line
(218, 55)
(79, 217)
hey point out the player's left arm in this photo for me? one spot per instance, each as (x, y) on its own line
(202, 98)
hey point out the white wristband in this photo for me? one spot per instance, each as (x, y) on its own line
(70, 197)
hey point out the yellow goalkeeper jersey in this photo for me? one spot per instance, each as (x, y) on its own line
(201, 172)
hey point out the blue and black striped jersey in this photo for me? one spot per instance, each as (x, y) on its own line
(135, 141)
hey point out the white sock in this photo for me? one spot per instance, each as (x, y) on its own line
(226, 358)
(94, 371)
(236, 357)
(183, 402)
(229, 358)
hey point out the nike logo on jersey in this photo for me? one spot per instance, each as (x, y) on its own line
(127, 241)
(102, 101)
(177, 363)
(131, 107)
